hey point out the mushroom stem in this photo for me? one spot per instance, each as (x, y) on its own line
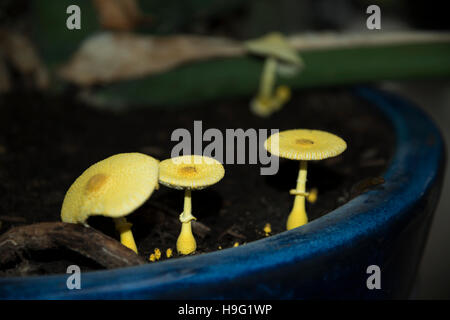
(126, 236)
(187, 210)
(186, 242)
(298, 216)
(268, 78)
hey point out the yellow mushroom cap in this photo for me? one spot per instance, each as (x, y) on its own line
(303, 144)
(190, 172)
(113, 187)
(275, 45)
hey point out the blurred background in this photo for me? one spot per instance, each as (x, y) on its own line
(43, 43)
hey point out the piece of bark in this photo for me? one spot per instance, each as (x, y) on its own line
(90, 243)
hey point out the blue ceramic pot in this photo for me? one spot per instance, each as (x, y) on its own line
(327, 258)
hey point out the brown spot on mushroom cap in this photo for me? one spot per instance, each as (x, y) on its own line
(304, 142)
(96, 183)
(189, 170)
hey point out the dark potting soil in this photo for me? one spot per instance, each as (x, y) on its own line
(47, 142)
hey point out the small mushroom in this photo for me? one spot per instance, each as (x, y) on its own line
(114, 188)
(267, 229)
(281, 58)
(157, 253)
(189, 173)
(303, 145)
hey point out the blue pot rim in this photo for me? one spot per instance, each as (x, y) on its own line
(411, 173)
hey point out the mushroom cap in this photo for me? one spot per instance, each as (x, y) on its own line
(190, 172)
(113, 187)
(275, 45)
(304, 144)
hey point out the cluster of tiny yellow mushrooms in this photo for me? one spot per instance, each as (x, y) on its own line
(118, 185)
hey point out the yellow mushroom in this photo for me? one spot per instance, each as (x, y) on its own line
(114, 188)
(303, 145)
(312, 196)
(267, 229)
(157, 253)
(188, 173)
(281, 58)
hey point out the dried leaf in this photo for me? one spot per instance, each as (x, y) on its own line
(119, 15)
(109, 57)
(19, 51)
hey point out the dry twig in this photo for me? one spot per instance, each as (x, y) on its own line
(90, 243)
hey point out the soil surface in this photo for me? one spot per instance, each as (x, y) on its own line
(47, 142)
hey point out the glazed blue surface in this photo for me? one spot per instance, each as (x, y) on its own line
(326, 258)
